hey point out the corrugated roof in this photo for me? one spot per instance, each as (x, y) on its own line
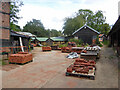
(26, 34)
(57, 38)
(86, 26)
(42, 38)
(13, 33)
(52, 38)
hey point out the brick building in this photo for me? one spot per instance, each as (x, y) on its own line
(4, 23)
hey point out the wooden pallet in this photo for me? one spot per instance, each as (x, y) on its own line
(20, 63)
(89, 75)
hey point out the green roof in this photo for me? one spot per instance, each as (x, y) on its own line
(58, 38)
(52, 38)
(41, 38)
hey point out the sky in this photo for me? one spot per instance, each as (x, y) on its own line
(53, 12)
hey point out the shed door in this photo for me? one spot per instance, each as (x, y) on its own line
(87, 39)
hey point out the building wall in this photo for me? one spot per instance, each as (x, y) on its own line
(5, 18)
(86, 35)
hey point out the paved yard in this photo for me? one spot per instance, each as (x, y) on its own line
(48, 71)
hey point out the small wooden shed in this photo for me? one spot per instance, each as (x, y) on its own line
(50, 41)
(86, 34)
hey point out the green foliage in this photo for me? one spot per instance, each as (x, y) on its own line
(2, 62)
(63, 45)
(86, 45)
(97, 40)
(36, 27)
(14, 10)
(72, 24)
(55, 33)
(100, 45)
(106, 42)
(77, 41)
(14, 27)
(95, 20)
(79, 45)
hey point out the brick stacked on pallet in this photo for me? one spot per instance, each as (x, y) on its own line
(65, 50)
(78, 50)
(81, 66)
(46, 48)
(34, 44)
(21, 58)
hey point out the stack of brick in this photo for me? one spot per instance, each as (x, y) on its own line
(65, 50)
(81, 66)
(46, 48)
(21, 57)
(78, 50)
(34, 44)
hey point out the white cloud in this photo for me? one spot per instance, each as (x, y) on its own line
(52, 13)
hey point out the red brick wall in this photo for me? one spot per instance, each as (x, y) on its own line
(4, 20)
(4, 33)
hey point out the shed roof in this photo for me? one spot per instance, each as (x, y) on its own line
(52, 38)
(26, 34)
(57, 38)
(88, 27)
(13, 33)
(115, 27)
(41, 38)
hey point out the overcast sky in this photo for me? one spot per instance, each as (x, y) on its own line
(52, 12)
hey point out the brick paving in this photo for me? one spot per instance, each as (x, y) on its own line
(48, 71)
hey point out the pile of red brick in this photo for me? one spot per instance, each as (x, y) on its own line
(65, 50)
(21, 57)
(81, 66)
(47, 48)
(34, 44)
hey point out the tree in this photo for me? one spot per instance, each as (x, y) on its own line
(15, 27)
(55, 33)
(72, 24)
(85, 16)
(14, 10)
(35, 27)
(105, 28)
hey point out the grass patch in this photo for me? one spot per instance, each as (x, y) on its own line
(2, 62)
(111, 57)
(106, 42)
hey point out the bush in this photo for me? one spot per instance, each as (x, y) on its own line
(97, 41)
(2, 62)
(63, 45)
(77, 41)
(100, 45)
(86, 45)
(106, 42)
(79, 45)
